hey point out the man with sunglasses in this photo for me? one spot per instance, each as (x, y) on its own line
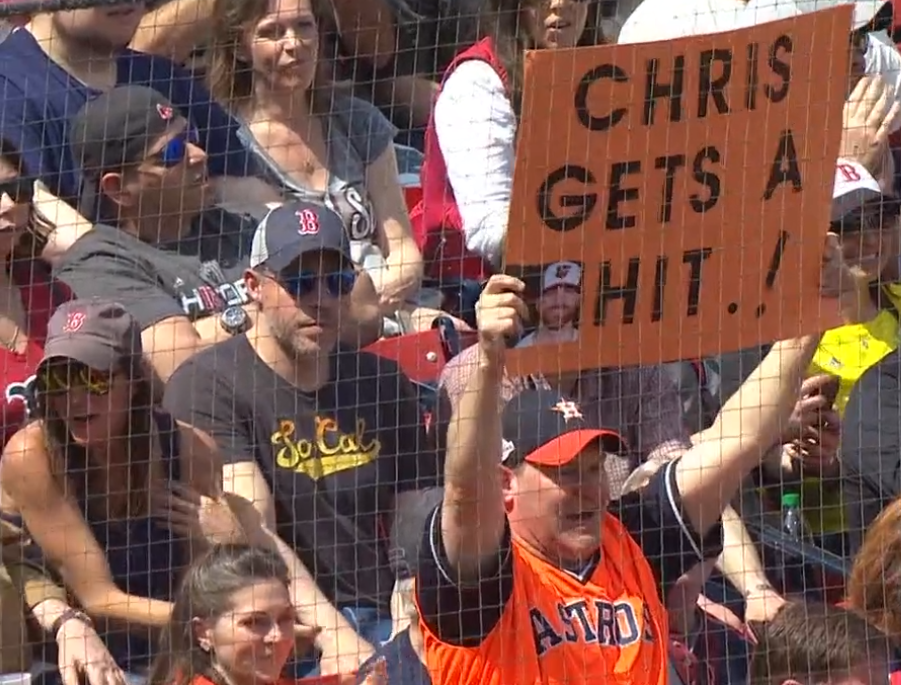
(326, 441)
(167, 253)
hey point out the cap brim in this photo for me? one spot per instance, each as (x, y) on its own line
(97, 357)
(854, 201)
(564, 448)
(283, 259)
(866, 10)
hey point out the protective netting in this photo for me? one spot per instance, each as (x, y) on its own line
(450, 341)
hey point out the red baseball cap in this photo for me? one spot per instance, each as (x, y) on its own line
(545, 429)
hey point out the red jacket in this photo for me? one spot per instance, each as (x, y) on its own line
(437, 225)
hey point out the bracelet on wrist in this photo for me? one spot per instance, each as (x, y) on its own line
(69, 615)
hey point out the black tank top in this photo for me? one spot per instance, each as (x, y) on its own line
(144, 558)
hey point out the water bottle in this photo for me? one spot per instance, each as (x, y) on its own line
(793, 523)
(795, 527)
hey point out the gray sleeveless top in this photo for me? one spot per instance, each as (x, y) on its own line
(357, 133)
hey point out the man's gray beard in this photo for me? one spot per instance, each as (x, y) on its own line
(285, 341)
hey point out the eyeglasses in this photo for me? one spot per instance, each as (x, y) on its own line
(876, 217)
(176, 149)
(62, 378)
(19, 189)
(337, 284)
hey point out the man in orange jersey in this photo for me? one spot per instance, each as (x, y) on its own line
(525, 576)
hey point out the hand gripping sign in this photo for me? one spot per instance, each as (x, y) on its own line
(691, 183)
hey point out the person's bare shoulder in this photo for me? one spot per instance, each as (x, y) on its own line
(25, 467)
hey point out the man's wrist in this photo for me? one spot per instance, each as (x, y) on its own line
(67, 617)
(759, 589)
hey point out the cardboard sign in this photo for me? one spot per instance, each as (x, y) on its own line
(684, 186)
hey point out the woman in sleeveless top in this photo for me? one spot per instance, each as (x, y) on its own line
(233, 622)
(109, 487)
(471, 138)
(314, 140)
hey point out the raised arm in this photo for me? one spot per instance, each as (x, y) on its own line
(58, 528)
(403, 260)
(473, 519)
(748, 425)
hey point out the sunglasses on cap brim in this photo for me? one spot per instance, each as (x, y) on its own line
(870, 217)
(175, 150)
(72, 375)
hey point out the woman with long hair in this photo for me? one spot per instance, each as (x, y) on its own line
(233, 621)
(28, 295)
(467, 175)
(108, 485)
(316, 141)
(239, 614)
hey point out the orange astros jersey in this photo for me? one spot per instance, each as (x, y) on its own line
(557, 629)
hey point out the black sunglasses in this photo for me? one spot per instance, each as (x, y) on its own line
(19, 189)
(337, 283)
(872, 217)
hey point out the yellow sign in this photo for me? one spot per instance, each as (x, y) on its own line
(329, 452)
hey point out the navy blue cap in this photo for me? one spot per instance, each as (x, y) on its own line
(543, 428)
(293, 229)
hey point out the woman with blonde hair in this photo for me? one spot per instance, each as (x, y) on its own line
(317, 142)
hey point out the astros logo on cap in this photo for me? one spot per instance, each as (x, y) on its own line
(165, 112)
(309, 222)
(569, 409)
(74, 322)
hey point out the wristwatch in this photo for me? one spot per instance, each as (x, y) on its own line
(234, 320)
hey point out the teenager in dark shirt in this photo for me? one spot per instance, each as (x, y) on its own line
(61, 60)
(173, 259)
(326, 441)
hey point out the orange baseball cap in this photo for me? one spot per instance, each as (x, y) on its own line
(545, 429)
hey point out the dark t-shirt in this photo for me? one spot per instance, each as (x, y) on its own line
(196, 276)
(400, 663)
(467, 614)
(871, 445)
(334, 459)
(40, 97)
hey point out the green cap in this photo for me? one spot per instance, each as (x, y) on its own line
(791, 499)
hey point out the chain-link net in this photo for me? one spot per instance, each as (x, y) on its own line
(449, 341)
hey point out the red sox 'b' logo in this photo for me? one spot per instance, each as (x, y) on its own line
(308, 222)
(74, 322)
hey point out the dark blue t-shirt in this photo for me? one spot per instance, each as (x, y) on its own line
(39, 98)
(402, 666)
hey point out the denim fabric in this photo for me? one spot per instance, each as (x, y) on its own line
(372, 625)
